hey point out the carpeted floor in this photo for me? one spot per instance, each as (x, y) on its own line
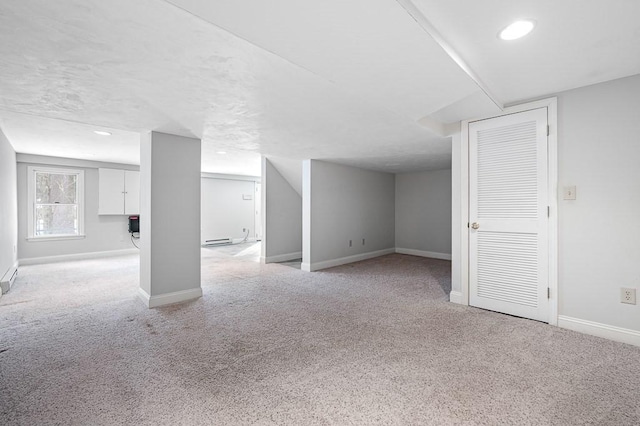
(369, 343)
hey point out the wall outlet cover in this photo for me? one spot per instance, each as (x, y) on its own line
(628, 295)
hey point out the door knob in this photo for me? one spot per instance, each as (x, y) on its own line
(475, 225)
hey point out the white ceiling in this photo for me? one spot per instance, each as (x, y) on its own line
(357, 82)
(575, 43)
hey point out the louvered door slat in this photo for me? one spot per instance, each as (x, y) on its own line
(513, 264)
(507, 154)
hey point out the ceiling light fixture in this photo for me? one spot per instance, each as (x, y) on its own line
(517, 29)
(102, 133)
(221, 152)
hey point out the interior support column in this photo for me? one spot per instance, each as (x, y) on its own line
(169, 219)
(306, 216)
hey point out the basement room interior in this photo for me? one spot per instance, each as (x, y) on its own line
(380, 212)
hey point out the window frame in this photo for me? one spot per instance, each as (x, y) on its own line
(31, 202)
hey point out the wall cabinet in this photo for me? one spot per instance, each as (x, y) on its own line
(118, 191)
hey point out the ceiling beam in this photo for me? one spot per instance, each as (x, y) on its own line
(424, 23)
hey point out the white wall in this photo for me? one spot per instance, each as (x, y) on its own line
(282, 217)
(344, 203)
(225, 211)
(8, 206)
(103, 233)
(423, 213)
(599, 232)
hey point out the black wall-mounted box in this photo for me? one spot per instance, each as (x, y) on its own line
(134, 224)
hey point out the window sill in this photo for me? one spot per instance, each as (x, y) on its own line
(56, 238)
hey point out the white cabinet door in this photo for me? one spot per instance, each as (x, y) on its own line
(110, 191)
(131, 192)
(508, 236)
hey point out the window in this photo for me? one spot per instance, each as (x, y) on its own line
(56, 208)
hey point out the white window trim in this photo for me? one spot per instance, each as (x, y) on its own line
(31, 200)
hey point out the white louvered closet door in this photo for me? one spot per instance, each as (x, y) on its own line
(508, 234)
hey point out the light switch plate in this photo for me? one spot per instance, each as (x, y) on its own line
(569, 193)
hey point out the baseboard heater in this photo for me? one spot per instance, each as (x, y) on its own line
(219, 241)
(8, 279)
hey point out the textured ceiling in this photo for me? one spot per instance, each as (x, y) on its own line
(358, 82)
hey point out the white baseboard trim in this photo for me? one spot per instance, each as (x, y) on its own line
(344, 260)
(76, 256)
(282, 257)
(169, 298)
(610, 332)
(422, 253)
(455, 297)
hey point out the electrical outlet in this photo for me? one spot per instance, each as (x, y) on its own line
(628, 295)
(350, 243)
(363, 241)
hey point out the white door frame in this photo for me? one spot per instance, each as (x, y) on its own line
(460, 243)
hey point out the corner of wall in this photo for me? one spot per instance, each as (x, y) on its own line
(8, 206)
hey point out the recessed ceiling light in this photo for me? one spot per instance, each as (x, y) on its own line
(517, 29)
(221, 152)
(102, 133)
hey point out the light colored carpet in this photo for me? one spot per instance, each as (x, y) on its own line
(370, 343)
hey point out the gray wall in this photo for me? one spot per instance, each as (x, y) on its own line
(169, 213)
(110, 232)
(282, 217)
(346, 203)
(599, 234)
(8, 206)
(103, 233)
(423, 211)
